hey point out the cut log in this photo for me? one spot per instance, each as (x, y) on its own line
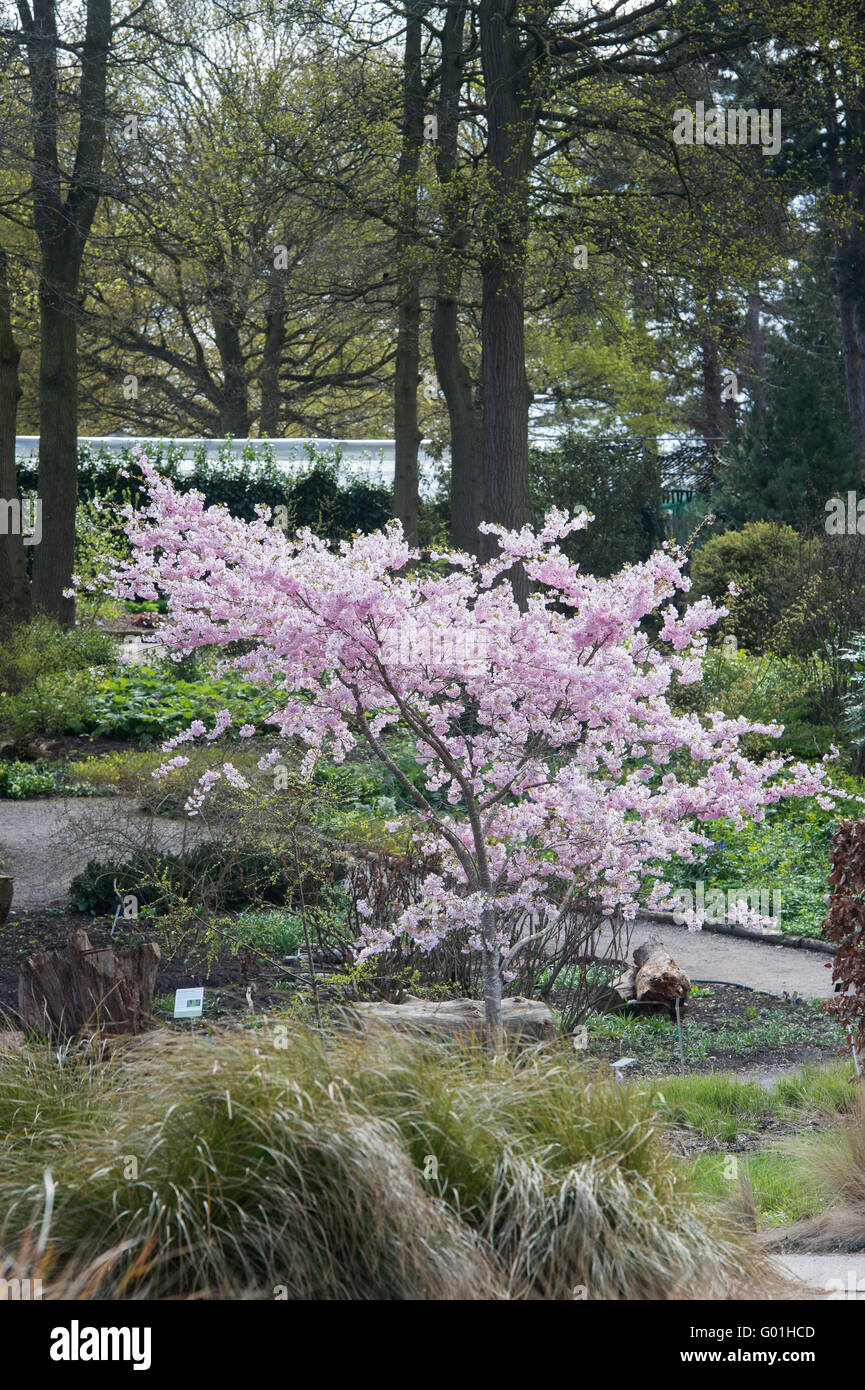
(61, 993)
(458, 1018)
(658, 978)
(616, 993)
(7, 885)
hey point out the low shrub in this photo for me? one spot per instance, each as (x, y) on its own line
(146, 703)
(213, 875)
(19, 780)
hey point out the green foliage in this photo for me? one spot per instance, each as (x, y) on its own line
(789, 851)
(269, 930)
(796, 451)
(765, 689)
(620, 484)
(853, 702)
(779, 1190)
(19, 780)
(145, 703)
(47, 675)
(212, 874)
(762, 560)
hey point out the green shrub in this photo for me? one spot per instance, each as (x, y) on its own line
(620, 484)
(314, 495)
(47, 676)
(765, 689)
(763, 560)
(788, 850)
(221, 876)
(19, 780)
(145, 703)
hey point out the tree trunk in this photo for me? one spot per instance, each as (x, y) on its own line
(466, 494)
(14, 583)
(658, 978)
(511, 112)
(274, 341)
(466, 441)
(406, 428)
(234, 403)
(62, 227)
(54, 557)
(851, 341)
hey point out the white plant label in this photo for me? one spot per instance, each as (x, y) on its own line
(188, 1003)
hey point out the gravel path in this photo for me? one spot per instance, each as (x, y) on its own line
(835, 1276)
(734, 960)
(44, 843)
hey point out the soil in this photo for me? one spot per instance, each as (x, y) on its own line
(730, 1009)
(273, 979)
(226, 979)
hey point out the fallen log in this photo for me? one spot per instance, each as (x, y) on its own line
(457, 1018)
(86, 988)
(658, 978)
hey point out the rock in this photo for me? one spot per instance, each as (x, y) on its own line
(459, 1018)
(658, 978)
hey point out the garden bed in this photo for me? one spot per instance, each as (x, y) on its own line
(725, 1027)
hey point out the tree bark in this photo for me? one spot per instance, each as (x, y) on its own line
(62, 226)
(852, 343)
(274, 341)
(512, 114)
(61, 993)
(407, 363)
(658, 978)
(464, 417)
(54, 557)
(14, 583)
(234, 399)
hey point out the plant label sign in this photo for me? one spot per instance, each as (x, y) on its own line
(188, 1003)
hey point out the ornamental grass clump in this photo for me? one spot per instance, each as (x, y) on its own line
(278, 1163)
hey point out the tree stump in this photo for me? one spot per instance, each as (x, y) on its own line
(658, 978)
(7, 885)
(86, 988)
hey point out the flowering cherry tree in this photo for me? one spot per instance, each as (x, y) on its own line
(550, 732)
